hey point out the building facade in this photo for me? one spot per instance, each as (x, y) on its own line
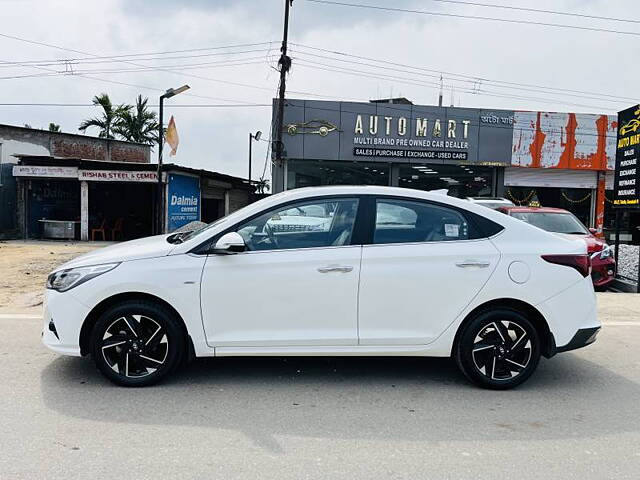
(563, 160)
(16, 141)
(105, 200)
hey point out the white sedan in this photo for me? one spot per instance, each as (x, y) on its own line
(379, 271)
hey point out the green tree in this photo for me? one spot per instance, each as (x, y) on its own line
(54, 127)
(262, 185)
(109, 118)
(138, 124)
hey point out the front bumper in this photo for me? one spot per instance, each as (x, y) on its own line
(62, 321)
(603, 272)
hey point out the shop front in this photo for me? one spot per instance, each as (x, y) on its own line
(84, 200)
(97, 200)
(533, 158)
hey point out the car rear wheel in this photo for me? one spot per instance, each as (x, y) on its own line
(498, 349)
(137, 343)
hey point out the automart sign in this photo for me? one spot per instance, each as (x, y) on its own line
(183, 200)
(352, 131)
(396, 132)
(627, 177)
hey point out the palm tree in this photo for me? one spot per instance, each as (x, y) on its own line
(139, 125)
(54, 127)
(262, 185)
(110, 115)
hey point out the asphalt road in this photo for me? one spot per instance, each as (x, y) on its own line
(297, 418)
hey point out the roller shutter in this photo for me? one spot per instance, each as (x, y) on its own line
(550, 177)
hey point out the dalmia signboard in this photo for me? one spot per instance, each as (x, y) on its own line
(627, 173)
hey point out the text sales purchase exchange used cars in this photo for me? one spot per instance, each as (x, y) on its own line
(341, 270)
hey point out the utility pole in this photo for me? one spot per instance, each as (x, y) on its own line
(440, 95)
(285, 65)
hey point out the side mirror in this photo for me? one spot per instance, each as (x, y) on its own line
(593, 231)
(229, 243)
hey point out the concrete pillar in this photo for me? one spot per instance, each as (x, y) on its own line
(597, 207)
(227, 207)
(84, 210)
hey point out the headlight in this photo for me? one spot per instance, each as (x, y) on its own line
(64, 280)
(606, 252)
(603, 254)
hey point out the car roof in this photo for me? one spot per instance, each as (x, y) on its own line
(533, 209)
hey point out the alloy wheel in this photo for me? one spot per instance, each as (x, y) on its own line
(502, 350)
(135, 346)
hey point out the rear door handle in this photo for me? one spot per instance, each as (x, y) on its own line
(335, 268)
(473, 263)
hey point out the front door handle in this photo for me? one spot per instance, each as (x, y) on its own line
(473, 263)
(335, 268)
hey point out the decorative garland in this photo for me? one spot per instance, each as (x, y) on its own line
(519, 201)
(570, 200)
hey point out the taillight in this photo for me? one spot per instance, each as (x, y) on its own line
(582, 263)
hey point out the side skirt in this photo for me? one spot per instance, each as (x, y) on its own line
(322, 351)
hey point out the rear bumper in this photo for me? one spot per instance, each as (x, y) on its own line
(582, 338)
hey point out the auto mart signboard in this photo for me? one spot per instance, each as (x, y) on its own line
(352, 131)
(627, 171)
(406, 133)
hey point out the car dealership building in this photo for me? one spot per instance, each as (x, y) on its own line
(563, 160)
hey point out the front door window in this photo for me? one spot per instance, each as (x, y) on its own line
(309, 224)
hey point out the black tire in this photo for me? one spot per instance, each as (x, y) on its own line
(498, 349)
(137, 343)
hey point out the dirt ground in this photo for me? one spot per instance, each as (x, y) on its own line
(25, 265)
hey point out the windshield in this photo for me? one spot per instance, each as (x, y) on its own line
(553, 222)
(231, 216)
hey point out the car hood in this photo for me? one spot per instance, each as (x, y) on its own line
(594, 244)
(148, 247)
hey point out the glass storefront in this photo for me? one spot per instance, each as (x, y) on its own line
(313, 173)
(460, 180)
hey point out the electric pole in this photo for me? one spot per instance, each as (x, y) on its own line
(285, 65)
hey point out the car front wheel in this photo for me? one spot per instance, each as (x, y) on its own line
(498, 349)
(137, 343)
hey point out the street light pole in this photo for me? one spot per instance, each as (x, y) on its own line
(159, 197)
(252, 137)
(159, 206)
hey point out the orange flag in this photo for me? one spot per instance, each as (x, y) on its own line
(171, 136)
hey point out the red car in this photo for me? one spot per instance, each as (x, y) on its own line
(565, 223)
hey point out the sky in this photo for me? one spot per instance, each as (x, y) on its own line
(233, 46)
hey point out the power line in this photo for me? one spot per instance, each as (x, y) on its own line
(470, 77)
(191, 75)
(473, 17)
(98, 57)
(537, 10)
(130, 70)
(199, 105)
(90, 61)
(476, 84)
(436, 86)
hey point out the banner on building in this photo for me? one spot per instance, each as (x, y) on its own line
(183, 201)
(627, 175)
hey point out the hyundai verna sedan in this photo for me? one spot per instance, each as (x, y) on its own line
(330, 271)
